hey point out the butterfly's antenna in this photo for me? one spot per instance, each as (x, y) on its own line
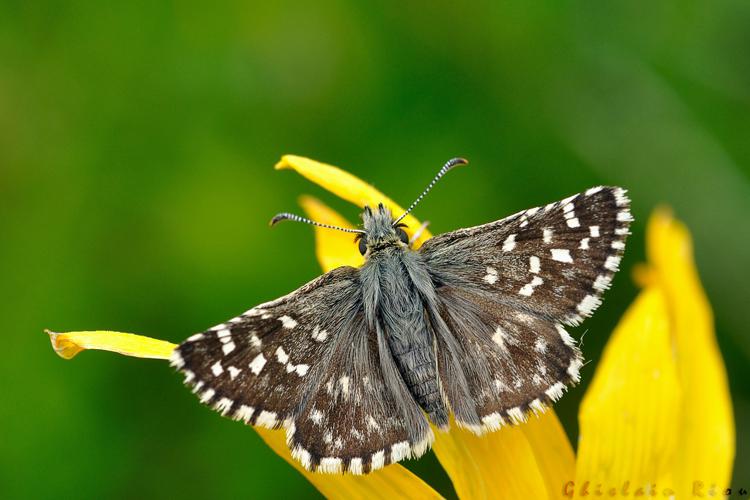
(287, 216)
(448, 165)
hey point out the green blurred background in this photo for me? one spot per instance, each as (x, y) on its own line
(136, 151)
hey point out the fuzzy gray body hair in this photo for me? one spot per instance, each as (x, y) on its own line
(399, 299)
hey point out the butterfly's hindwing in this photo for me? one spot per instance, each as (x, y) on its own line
(358, 421)
(517, 362)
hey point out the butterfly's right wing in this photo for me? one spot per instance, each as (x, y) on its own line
(308, 362)
(506, 289)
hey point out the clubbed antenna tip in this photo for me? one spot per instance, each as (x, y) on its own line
(279, 217)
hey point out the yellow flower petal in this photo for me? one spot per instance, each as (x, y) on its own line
(705, 450)
(519, 462)
(659, 410)
(627, 418)
(348, 187)
(393, 481)
(67, 345)
(333, 248)
(533, 460)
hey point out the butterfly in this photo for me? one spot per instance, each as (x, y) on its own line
(357, 363)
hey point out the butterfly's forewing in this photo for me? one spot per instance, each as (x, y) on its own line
(506, 288)
(259, 366)
(308, 363)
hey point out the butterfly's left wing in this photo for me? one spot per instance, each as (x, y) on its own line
(505, 291)
(259, 366)
(308, 362)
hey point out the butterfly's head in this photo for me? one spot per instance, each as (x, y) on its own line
(380, 231)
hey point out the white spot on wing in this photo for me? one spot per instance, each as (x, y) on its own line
(224, 405)
(588, 304)
(612, 263)
(540, 345)
(372, 424)
(196, 337)
(207, 396)
(217, 369)
(233, 372)
(499, 337)
(594, 231)
(266, 419)
(574, 369)
(228, 347)
(547, 235)
(281, 356)
(493, 421)
(316, 416)
(561, 255)
(344, 381)
(509, 243)
(537, 406)
(565, 336)
(303, 456)
(556, 391)
(534, 264)
(602, 282)
(528, 288)
(257, 364)
(568, 199)
(330, 465)
(245, 413)
(584, 244)
(624, 216)
(491, 276)
(593, 190)
(516, 415)
(287, 322)
(355, 466)
(319, 335)
(378, 460)
(175, 359)
(573, 223)
(620, 197)
(399, 451)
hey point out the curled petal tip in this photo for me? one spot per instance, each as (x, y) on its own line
(286, 162)
(62, 346)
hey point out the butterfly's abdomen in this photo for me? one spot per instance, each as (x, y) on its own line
(411, 341)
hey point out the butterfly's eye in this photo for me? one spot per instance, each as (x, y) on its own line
(363, 245)
(402, 235)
